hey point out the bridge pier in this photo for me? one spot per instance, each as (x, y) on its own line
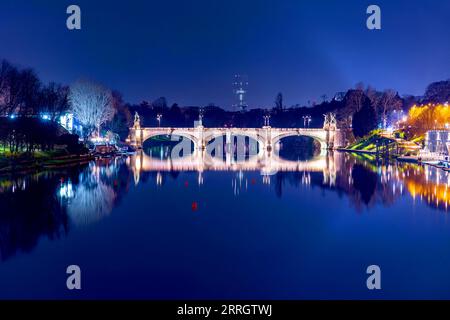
(228, 142)
(136, 138)
(267, 139)
(201, 144)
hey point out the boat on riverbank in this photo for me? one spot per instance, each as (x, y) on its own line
(444, 165)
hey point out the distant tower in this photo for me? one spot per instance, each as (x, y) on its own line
(240, 85)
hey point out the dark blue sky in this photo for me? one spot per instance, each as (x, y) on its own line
(189, 51)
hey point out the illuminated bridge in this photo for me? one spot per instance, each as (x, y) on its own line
(329, 136)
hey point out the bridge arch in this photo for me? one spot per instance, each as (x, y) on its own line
(317, 136)
(148, 134)
(230, 134)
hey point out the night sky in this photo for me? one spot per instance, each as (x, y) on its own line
(188, 51)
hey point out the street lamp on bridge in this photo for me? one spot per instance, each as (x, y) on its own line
(158, 118)
(306, 121)
(266, 120)
(200, 116)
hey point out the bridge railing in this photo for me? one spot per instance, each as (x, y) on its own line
(225, 129)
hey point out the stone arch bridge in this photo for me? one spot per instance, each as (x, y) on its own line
(266, 137)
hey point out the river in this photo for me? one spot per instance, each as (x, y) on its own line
(152, 227)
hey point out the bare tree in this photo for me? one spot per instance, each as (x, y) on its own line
(30, 91)
(5, 69)
(91, 104)
(355, 99)
(19, 90)
(55, 100)
(389, 102)
(279, 102)
(373, 96)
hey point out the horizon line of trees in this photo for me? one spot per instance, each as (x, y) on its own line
(98, 108)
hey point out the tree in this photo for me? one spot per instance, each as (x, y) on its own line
(91, 104)
(55, 100)
(438, 92)
(30, 93)
(160, 104)
(364, 120)
(279, 102)
(352, 103)
(5, 82)
(122, 120)
(19, 90)
(373, 96)
(428, 117)
(389, 101)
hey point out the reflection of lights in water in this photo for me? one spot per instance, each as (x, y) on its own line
(200, 178)
(92, 198)
(90, 203)
(430, 187)
(237, 183)
(138, 163)
(159, 178)
(266, 179)
(306, 179)
(240, 175)
(66, 190)
(203, 161)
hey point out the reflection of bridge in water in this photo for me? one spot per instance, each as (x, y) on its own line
(267, 163)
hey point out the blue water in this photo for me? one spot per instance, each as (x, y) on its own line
(139, 233)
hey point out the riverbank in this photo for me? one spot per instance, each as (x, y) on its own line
(393, 156)
(11, 164)
(385, 144)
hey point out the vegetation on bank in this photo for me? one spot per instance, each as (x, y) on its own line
(369, 142)
(30, 143)
(395, 144)
(22, 163)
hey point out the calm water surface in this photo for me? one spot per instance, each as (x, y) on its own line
(149, 227)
